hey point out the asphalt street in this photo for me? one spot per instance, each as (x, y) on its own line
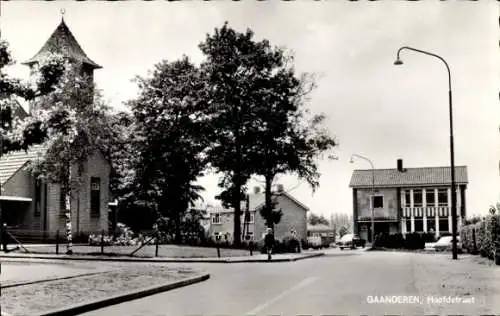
(346, 282)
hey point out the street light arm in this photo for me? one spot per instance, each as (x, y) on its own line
(364, 158)
(452, 146)
(430, 54)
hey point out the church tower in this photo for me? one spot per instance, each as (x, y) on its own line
(64, 43)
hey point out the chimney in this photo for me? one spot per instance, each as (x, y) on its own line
(400, 165)
(256, 190)
(280, 188)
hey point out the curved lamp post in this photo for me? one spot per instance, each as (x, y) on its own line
(452, 150)
(373, 192)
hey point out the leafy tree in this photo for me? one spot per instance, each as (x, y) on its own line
(262, 124)
(259, 121)
(270, 214)
(494, 209)
(119, 146)
(78, 123)
(192, 230)
(19, 133)
(472, 220)
(171, 124)
(233, 63)
(314, 219)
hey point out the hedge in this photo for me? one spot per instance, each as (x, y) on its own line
(480, 238)
(289, 244)
(410, 241)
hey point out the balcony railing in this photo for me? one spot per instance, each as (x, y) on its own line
(442, 211)
(378, 213)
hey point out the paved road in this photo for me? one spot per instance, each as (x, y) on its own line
(339, 283)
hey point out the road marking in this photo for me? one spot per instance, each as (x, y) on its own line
(276, 298)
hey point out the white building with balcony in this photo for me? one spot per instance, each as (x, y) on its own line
(407, 200)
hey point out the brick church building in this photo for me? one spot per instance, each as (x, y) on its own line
(36, 208)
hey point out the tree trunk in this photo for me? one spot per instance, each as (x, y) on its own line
(237, 210)
(237, 188)
(177, 221)
(69, 230)
(268, 199)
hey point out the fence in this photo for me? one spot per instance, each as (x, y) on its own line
(144, 244)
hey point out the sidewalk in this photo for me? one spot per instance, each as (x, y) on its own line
(254, 258)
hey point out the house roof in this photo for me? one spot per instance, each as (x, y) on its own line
(409, 177)
(257, 200)
(63, 42)
(319, 228)
(13, 161)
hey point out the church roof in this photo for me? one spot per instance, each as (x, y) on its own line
(63, 42)
(13, 161)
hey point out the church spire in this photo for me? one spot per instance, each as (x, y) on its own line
(62, 15)
(63, 42)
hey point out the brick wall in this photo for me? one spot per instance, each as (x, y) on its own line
(81, 220)
(55, 221)
(226, 226)
(390, 208)
(294, 217)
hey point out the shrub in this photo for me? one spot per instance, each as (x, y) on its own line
(291, 244)
(480, 238)
(414, 241)
(97, 240)
(305, 244)
(393, 241)
(468, 238)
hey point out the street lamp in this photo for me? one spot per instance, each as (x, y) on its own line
(452, 150)
(373, 192)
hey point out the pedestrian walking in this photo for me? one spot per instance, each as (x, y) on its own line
(269, 242)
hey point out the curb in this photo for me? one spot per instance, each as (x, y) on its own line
(53, 279)
(117, 299)
(309, 256)
(160, 260)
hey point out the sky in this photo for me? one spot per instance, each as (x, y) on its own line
(373, 108)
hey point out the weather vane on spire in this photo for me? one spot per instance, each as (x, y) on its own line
(62, 13)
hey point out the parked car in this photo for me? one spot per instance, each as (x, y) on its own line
(444, 243)
(351, 241)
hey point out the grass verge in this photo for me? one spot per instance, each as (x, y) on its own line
(52, 295)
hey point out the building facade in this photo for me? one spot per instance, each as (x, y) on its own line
(407, 200)
(35, 207)
(294, 218)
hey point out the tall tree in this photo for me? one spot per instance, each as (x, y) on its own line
(315, 219)
(119, 146)
(78, 120)
(20, 133)
(233, 67)
(287, 138)
(171, 121)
